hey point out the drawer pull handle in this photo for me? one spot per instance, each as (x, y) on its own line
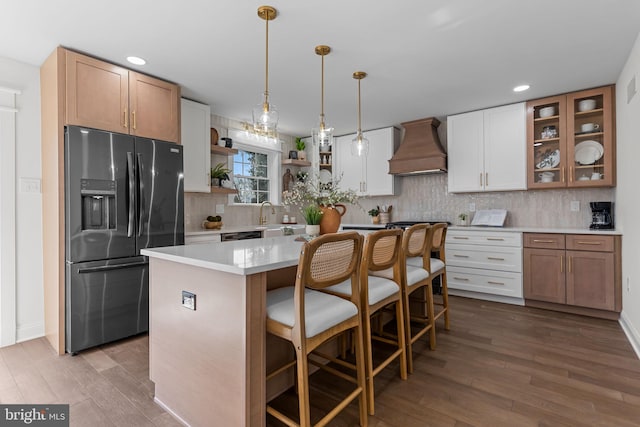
(497, 239)
(495, 258)
(543, 241)
(589, 243)
(495, 283)
(464, 279)
(460, 238)
(460, 256)
(561, 264)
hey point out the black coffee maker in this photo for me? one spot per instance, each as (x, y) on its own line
(601, 215)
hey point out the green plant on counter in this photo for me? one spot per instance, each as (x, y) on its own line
(300, 145)
(374, 212)
(462, 217)
(312, 214)
(212, 218)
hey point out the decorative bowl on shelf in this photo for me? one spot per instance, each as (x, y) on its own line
(212, 225)
(547, 111)
(587, 105)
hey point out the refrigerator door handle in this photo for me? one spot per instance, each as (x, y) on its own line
(132, 189)
(141, 198)
(110, 267)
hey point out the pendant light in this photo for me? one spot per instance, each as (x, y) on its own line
(359, 144)
(265, 115)
(322, 134)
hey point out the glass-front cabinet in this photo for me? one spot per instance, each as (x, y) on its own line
(570, 140)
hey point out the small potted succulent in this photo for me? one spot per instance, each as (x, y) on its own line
(312, 215)
(375, 215)
(463, 219)
(300, 146)
(219, 173)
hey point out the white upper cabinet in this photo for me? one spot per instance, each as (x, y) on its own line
(368, 176)
(196, 140)
(487, 150)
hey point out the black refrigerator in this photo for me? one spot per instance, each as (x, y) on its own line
(122, 194)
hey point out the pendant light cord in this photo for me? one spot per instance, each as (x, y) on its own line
(266, 67)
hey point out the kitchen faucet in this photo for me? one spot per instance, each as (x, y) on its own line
(262, 220)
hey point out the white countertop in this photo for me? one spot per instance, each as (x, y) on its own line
(537, 230)
(242, 257)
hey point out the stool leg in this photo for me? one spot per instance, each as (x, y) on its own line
(431, 314)
(445, 299)
(407, 330)
(303, 387)
(361, 375)
(401, 338)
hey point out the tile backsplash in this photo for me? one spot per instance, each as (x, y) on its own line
(419, 197)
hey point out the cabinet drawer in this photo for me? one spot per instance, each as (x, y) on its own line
(485, 281)
(485, 257)
(590, 242)
(544, 241)
(488, 238)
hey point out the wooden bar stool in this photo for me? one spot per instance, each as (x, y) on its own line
(438, 267)
(380, 287)
(307, 317)
(416, 277)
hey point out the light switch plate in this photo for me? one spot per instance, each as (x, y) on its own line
(189, 300)
(219, 209)
(472, 207)
(575, 206)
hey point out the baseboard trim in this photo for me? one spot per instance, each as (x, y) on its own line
(173, 414)
(29, 332)
(631, 332)
(486, 297)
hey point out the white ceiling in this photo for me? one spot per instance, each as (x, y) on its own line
(424, 57)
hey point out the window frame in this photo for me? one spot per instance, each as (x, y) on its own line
(274, 153)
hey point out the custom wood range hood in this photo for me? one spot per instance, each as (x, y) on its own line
(420, 151)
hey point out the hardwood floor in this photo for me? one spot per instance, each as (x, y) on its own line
(500, 365)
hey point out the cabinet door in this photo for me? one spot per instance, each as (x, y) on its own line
(465, 133)
(348, 168)
(544, 278)
(382, 145)
(590, 155)
(97, 94)
(195, 130)
(590, 279)
(546, 143)
(505, 148)
(155, 108)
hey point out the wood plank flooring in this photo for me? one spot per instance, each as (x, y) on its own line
(500, 365)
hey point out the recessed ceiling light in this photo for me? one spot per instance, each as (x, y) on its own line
(136, 60)
(520, 88)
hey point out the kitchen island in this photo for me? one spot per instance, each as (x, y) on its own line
(208, 363)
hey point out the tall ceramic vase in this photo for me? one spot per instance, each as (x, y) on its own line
(331, 217)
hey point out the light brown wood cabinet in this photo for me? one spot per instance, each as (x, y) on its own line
(80, 90)
(560, 152)
(578, 273)
(104, 96)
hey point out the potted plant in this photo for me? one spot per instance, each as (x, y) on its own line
(375, 215)
(300, 146)
(462, 218)
(312, 215)
(219, 173)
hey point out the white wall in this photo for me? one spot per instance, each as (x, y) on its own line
(627, 195)
(29, 291)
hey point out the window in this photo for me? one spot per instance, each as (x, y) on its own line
(251, 177)
(256, 170)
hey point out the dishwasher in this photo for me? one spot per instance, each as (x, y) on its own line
(240, 235)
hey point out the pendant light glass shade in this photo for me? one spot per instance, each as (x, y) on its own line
(359, 144)
(322, 135)
(265, 114)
